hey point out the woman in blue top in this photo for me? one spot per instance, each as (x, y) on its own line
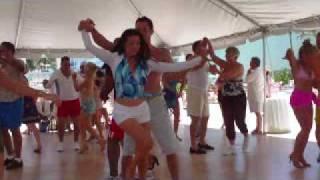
(130, 65)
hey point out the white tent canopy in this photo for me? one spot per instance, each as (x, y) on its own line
(50, 26)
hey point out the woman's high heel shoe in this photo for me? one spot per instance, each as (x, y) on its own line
(296, 162)
(179, 138)
(305, 163)
(154, 162)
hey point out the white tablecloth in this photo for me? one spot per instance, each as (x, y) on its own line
(277, 115)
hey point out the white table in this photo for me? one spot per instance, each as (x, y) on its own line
(277, 115)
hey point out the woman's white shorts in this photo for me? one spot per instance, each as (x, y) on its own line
(140, 113)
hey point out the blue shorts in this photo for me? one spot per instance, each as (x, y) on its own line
(171, 98)
(11, 114)
(88, 106)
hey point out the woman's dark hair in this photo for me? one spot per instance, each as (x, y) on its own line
(307, 48)
(108, 84)
(144, 51)
(147, 20)
(256, 60)
(107, 70)
(195, 45)
(99, 73)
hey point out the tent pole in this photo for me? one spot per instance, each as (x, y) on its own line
(264, 75)
(19, 25)
(290, 37)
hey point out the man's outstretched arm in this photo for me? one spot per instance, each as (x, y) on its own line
(101, 41)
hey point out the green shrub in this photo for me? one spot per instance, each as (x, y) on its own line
(283, 75)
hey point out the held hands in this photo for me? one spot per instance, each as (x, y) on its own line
(209, 46)
(87, 25)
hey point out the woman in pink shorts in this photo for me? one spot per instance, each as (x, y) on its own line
(301, 98)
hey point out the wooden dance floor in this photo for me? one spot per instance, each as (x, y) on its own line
(267, 159)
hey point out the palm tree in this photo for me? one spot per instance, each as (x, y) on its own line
(46, 63)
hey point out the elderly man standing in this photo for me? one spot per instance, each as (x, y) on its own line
(255, 92)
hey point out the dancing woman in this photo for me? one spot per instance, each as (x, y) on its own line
(130, 65)
(301, 98)
(172, 94)
(233, 97)
(88, 105)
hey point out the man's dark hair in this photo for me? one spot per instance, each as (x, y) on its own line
(256, 60)
(65, 58)
(147, 20)
(188, 56)
(195, 45)
(9, 46)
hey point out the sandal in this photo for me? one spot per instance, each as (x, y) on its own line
(197, 151)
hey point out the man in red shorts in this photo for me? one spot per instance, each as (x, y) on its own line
(70, 103)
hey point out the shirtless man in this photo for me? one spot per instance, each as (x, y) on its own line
(11, 107)
(160, 122)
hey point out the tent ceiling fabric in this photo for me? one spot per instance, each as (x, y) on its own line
(277, 11)
(47, 24)
(9, 12)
